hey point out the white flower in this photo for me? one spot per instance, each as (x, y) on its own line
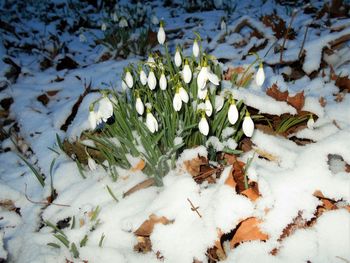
(161, 34)
(140, 108)
(203, 126)
(260, 76)
(143, 77)
(92, 120)
(92, 164)
(177, 58)
(151, 62)
(105, 109)
(310, 123)
(202, 93)
(103, 27)
(208, 107)
(82, 38)
(232, 113)
(154, 20)
(219, 102)
(248, 126)
(151, 122)
(152, 81)
(204, 75)
(223, 25)
(195, 48)
(177, 102)
(183, 94)
(123, 23)
(128, 79)
(162, 82)
(187, 73)
(124, 86)
(115, 17)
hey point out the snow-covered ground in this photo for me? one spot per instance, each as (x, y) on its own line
(304, 189)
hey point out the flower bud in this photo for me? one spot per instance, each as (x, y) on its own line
(140, 108)
(152, 81)
(195, 48)
(177, 102)
(232, 113)
(248, 125)
(203, 126)
(260, 76)
(177, 58)
(187, 74)
(162, 82)
(143, 77)
(161, 34)
(128, 79)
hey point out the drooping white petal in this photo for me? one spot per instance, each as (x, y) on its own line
(128, 79)
(187, 74)
(152, 81)
(183, 94)
(151, 122)
(124, 86)
(195, 48)
(123, 23)
(140, 108)
(310, 123)
(92, 164)
(248, 126)
(202, 78)
(260, 76)
(208, 108)
(232, 114)
(219, 102)
(162, 82)
(115, 17)
(92, 120)
(177, 102)
(202, 93)
(103, 27)
(203, 126)
(151, 62)
(143, 77)
(177, 58)
(223, 25)
(105, 109)
(161, 35)
(213, 78)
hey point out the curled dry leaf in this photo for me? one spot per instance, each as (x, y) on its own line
(230, 181)
(220, 252)
(266, 155)
(146, 229)
(248, 230)
(144, 184)
(194, 166)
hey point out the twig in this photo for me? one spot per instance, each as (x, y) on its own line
(40, 203)
(286, 35)
(304, 39)
(194, 208)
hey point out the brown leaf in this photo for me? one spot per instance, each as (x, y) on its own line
(146, 229)
(275, 93)
(246, 144)
(220, 252)
(143, 245)
(297, 101)
(194, 166)
(52, 93)
(266, 155)
(44, 99)
(322, 102)
(252, 193)
(230, 181)
(238, 176)
(230, 71)
(230, 158)
(343, 83)
(144, 184)
(139, 166)
(248, 230)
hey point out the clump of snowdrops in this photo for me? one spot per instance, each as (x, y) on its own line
(170, 103)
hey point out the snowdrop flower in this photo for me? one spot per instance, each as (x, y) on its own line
(203, 126)
(82, 38)
(202, 93)
(260, 75)
(115, 17)
(310, 123)
(123, 23)
(140, 108)
(92, 120)
(143, 77)
(208, 107)
(105, 109)
(162, 82)
(232, 113)
(103, 27)
(195, 48)
(124, 86)
(183, 94)
(92, 164)
(187, 73)
(219, 102)
(154, 20)
(161, 34)
(152, 81)
(248, 125)
(151, 122)
(223, 25)
(177, 101)
(177, 58)
(151, 62)
(128, 79)
(204, 75)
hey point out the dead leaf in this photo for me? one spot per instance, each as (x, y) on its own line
(146, 229)
(52, 93)
(343, 83)
(322, 102)
(297, 101)
(248, 230)
(230, 181)
(44, 99)
(230, 158)
(220, 252)
(275, 93)
(266, 155)
(143, 185)
(252, 193)
(194, 166)
(143, 245)
(230, 71)
(238, 175)
(139, 166)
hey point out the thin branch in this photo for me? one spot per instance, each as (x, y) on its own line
(40, 203)
(286, 35)
(193, 208)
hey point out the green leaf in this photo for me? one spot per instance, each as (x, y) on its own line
(53, 245)
(111, 193)
(74, 250)
(63, 239)
(35, 172)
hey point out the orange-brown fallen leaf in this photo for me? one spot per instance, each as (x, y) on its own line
(220, 252)
(297, 101)
(248, 230)
(230, 181)
(144, 184)
(251, 193)
(275, 93)
(266, 155)
(146, 228)
(194, 166)
(139, 166)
